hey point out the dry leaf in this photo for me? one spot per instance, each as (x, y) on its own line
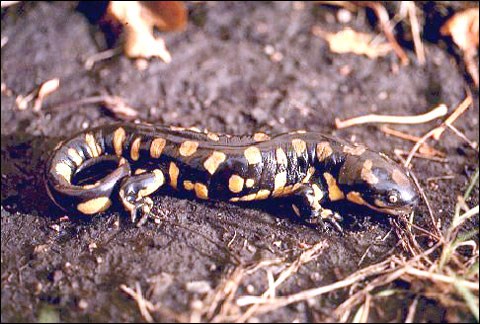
(139, 19)
(350, 41)
(463, 28)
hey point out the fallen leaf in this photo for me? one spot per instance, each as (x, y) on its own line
(463, 28)
(350, 41)
(140, 18)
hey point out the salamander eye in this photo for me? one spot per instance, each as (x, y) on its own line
(393, 197)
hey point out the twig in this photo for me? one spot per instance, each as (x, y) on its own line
(386, 27)
(141, 302)
(416, 147)
(114, 104)
(473, 145)
(424, 148)
(445, 177)
(436, 112)
(437, 131)
(412, 310)
(462, 107)
(90, 61)
(427, 202)
(399, 152)
(417, 41)
(150, 307)
(396, 133)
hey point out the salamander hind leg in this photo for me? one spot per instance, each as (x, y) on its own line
(306, 203)
(135, 190)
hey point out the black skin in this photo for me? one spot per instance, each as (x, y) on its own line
(296, 162)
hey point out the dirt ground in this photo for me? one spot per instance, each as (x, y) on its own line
(220, 78)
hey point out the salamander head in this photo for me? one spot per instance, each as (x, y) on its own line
(373, 180)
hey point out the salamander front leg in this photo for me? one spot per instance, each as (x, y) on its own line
(307, 205)
(134, 192)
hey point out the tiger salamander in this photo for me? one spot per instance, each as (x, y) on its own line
(307, 167)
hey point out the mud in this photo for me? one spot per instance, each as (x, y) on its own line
(221, 78)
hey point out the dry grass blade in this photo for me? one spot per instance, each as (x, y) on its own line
(305, 257)
(272, 304)
(440, 278)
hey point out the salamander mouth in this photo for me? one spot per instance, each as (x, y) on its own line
(395, 211)
(399, 211)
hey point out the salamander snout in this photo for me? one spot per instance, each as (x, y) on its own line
(373, 180)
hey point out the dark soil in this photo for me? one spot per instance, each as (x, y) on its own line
(222, 79)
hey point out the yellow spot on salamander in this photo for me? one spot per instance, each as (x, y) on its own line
(253, 155)
(64, 170)
(188, 185)
(260, 137)
(173, 172)
(213, 162)
(235, 183)
(310, 173)
(334, 192)
(299, 146)
(201, 191)
(75, 156)
(158, 181)
(135, 149)
(95, 205)
(323, 151)
(249, 197)
(195, 129)
(156, 147)
(281, 156)
(296, 210)
(177, 128)
(355, 150)
(318, 193)
(92, 144)
(119, 137)
(366, 173)
(188, 148)
(262, 194)
(279, 184)
(355, 197)
(213, 137)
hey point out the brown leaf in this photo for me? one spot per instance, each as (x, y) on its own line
(139, 20)
(166, 15)
(350, 41)
(463, 28)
